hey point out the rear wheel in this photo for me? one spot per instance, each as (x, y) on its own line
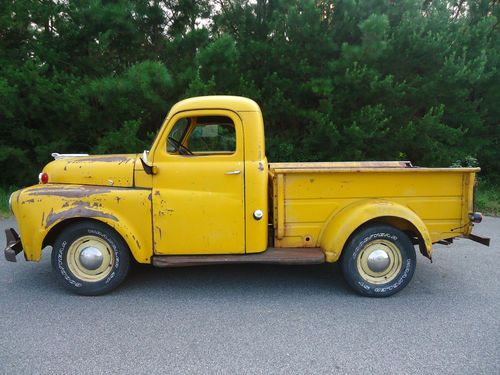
(378, 261)
(90, 258)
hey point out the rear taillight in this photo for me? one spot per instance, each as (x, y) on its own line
(43, 178)
(476, 217)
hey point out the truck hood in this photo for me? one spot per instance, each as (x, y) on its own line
(104, 170)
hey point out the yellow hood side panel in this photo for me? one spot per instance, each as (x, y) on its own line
(40, 208)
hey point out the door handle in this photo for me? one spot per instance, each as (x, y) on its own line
(233, 172)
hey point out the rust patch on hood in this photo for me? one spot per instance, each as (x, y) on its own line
(120, 159)
(71, 192)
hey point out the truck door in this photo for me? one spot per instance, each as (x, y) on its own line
(198, 188)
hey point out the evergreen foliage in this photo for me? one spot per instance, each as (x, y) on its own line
(336, 79)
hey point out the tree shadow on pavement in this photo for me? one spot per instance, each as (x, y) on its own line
(248, 279)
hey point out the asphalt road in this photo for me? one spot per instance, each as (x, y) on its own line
(257, 319)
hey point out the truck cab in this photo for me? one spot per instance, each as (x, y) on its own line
(210, 178)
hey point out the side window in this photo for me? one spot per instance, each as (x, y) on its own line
(204, 135)
(213, 134)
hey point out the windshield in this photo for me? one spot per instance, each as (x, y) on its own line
(176, 135)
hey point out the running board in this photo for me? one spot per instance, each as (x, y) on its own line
(301, 255)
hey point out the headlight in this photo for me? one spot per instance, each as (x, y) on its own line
(10, 203)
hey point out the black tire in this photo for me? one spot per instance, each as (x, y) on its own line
(390, 280)
(73, 276)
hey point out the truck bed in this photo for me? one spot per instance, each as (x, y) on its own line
(306, 195)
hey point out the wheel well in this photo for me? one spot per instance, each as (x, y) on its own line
(57, 229)
(397, 222)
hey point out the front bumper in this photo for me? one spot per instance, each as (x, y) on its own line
(14, 245)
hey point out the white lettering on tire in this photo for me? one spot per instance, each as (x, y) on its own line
(370, 238)
(398, 282)
(60, 266)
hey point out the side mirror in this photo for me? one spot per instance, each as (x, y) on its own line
(148, 168)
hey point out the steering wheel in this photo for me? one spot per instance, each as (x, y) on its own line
(183, 150)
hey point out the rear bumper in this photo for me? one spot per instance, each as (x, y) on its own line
(13, 246)
(482, 240)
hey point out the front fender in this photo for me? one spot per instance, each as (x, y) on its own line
(340, 225)
(43, 209)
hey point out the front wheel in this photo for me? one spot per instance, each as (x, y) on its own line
(378, 261)
(90, 258)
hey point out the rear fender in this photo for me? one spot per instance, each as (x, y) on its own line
(341, 225)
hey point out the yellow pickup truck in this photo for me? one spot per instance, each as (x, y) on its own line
(205, 194)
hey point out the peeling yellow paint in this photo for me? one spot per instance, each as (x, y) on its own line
(120, 208)
(94, 170)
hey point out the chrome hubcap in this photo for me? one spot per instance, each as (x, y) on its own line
(91, 258)
(378, 260)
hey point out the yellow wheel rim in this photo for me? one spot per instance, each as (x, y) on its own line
(379, 262)
(90, 258)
